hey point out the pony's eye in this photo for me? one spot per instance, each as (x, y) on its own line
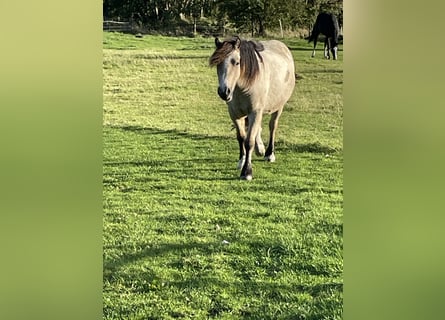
(234, 62)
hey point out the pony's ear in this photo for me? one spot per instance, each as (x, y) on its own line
(218, 43)
(237, 42)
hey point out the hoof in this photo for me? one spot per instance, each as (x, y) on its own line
(246, 173)
(260, 150)
(270, 158)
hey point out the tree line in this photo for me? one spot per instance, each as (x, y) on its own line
(256, 17)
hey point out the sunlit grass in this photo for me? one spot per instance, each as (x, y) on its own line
(183, 236)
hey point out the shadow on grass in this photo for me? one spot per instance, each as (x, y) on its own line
(172, 57)
(200, 276)
(274, 251)
(178, 155)
(250, 261)
(279, 146)
(321, 71)
(315, 148)
(310, 47)
(150, 251)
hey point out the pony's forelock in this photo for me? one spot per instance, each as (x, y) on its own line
(223, 49)
(249, 51)
(221, 53)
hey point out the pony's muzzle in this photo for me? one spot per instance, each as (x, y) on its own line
(225, 94)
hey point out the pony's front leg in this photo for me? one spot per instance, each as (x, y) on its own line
(254, 127)
(240, 126)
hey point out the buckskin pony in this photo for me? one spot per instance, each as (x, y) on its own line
(255, 78)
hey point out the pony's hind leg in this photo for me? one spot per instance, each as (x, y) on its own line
(259, 145)
(273, 124)
(326, 48)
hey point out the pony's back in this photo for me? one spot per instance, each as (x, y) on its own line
(279, 76)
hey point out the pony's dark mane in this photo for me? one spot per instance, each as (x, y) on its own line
(249, 62)
(249, 50)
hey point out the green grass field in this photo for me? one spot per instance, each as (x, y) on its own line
(184, 238)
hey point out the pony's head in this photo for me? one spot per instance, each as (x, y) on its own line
(236, 63)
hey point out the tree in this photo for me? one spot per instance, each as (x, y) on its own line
(253, 16)
(247, 15)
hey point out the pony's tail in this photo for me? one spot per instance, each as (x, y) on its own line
(314, 33)
(311, 37)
